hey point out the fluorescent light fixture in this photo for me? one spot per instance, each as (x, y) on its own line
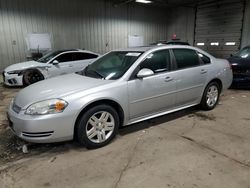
(214, 43)
(200, 44)
(230, 43)
(143, 1)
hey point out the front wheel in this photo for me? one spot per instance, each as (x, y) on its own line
(32, 76)
(97, 126)
(211, 96)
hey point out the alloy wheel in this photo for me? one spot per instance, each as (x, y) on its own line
(100, 127)
(212, 96)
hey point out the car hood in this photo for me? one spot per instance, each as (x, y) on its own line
(239, 62)
(57, 87)
(23, 65)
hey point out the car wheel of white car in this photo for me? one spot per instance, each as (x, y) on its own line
(211, 96)
(97, 126)
(31, 77)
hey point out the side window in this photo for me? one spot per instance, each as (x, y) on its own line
(157, 61)
(204, 58)
(82, 56)
(186, 58)
(65, 58)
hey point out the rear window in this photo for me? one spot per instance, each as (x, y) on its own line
(204, 58)
(82, 56)
(186, 58)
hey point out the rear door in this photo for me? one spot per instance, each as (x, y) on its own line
(191, 76)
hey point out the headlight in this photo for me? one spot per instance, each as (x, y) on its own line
(51, 106)
(19, 72)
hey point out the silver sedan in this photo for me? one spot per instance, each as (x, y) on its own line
(120, 88)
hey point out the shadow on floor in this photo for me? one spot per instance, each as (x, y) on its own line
(11, 146)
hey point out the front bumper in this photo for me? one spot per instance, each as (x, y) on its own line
(241, 80)
(41, 128)
(12, 79)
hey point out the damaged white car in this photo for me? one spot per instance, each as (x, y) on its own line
(52, 64)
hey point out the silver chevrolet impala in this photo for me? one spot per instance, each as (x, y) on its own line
(120, 88)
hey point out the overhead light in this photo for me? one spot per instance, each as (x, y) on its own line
(143, 1)
(200, 44)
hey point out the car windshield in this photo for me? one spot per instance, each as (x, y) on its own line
(48, 57)
(111, 66)
(244, 53)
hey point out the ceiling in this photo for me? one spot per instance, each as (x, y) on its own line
(168, 3)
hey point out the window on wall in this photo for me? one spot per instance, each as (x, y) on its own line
(157, 61)
(200, 44)
(230, 43)
(186, 58)
(214, 44)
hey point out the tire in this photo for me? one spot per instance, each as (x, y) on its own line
(97, 126)
(31, 77)
(210, 96)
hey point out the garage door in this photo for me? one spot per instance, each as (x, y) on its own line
(218, 27)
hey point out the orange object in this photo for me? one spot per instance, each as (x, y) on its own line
(60, 106)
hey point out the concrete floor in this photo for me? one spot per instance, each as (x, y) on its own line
(191, 148)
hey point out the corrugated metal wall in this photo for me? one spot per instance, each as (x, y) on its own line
(246, 26)
(220, 22)
(92, 24)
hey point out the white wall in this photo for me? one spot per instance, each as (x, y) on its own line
(91, 24)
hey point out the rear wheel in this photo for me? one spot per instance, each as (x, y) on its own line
(211, 96)
(32, 76)
(97, 126)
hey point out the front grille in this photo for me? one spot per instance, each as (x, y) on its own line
(37, 134)
(16, 108)
(241, 71)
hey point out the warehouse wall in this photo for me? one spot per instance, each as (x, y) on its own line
(246, 26)
(91, 24)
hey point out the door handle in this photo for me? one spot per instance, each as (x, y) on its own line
(203, 71)
(168, 79)
(70, 65)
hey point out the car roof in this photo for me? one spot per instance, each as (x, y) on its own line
(73, 50)
(248, 46)
(147, 48)
(150, 49)
(136, 49)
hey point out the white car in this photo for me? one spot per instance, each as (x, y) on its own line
(52, 64)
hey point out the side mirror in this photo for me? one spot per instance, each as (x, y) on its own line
(231, 55)
(144, 73)
(55, 62)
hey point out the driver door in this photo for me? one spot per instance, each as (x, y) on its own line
(155, 93)
(64, 65)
